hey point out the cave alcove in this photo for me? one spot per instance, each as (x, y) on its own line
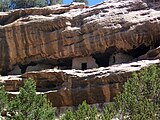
(102, 59)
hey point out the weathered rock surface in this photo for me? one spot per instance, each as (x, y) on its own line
(65, 36)
(58, 33)
(151, 55)
(71, 87)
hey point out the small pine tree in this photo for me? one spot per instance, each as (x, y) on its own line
(4, 5)
(40, 3)
(85, 1)
(27, 105)
(68, 115)
(29, 3)
(3, 100)
(53, 2)
(85, 112)
(109, 112)
(141, 97)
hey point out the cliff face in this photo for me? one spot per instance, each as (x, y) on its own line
(80, 37)
(72, 87)
(58, 33)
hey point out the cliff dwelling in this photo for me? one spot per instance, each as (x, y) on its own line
(84, 63)
(102, 47)
(100, 60)
(110, 57)
(118, 58)
(20, 69)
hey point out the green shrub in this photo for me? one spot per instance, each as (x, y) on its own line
(27, 105)
(84, 112)
(68, 115)
(140, 99)
(85, 1)
(3, 99)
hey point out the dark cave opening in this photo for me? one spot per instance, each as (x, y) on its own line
(119, 56)
(24, 67)
(38, 66)
(4, 74)
(157, 43)
(64, 64)
(102, 59)
(141, 50)
(45, 84)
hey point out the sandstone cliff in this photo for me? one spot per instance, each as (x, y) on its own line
(119, 37)
(71, 87)
(55, 35)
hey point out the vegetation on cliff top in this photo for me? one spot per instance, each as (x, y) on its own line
(85, 1)
(6, 5)
(140, 100)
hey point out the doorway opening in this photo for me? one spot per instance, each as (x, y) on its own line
(84, 66)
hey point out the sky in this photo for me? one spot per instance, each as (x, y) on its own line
(90, 2)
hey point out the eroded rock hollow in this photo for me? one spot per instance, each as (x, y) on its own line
(121, 33)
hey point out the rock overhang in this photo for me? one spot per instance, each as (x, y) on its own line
(65, 32)
(71, 87)
(49, 39)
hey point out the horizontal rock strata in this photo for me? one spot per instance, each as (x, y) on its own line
(62, 32)
(71, 87)
(58, 39)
